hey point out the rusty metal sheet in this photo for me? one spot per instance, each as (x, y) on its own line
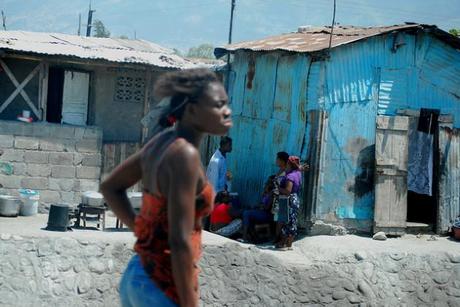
(314, 39)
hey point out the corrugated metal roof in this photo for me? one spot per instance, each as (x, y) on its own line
(93, 48)
(311, 39)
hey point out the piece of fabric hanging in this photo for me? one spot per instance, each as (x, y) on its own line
(420, 162)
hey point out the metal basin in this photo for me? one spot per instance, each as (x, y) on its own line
(9, 205)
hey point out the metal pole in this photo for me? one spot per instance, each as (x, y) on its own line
(3, 20)
(227, 83)
(79, 25)
(90, 21)
(332, 26)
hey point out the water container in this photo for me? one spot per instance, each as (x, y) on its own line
(29, 200)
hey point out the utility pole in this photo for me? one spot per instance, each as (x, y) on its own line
(79, 24)
(332, 26)
(230, 32)
(4, 20)
(90, 20)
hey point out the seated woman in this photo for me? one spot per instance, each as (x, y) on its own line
(224, 218)
(259, 215)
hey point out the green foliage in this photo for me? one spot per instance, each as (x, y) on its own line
(203, 51)
(100, 30)
(455, 32)
(123, 36)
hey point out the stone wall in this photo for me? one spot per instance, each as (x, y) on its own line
(75, 272)
(59, 161)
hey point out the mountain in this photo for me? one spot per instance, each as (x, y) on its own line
(182, 24)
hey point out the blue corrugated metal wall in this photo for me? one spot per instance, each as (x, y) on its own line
(274, 92)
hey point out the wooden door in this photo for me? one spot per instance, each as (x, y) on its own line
(449, 177)
(391, 154)
(75, 98)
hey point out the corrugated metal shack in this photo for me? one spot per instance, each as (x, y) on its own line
(292, 92)
(86, 97)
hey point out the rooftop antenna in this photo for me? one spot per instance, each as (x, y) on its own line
(79, 24)
(332, 26)
(4, 20)
(90, 20)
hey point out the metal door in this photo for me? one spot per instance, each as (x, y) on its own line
(391, 154)
(75, 98)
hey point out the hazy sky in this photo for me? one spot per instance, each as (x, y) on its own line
(185, 23)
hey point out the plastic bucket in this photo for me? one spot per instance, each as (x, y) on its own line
(30, 199)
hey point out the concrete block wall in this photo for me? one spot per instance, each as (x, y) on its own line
(60, 161)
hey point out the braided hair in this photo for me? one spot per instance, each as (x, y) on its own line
(184, 86)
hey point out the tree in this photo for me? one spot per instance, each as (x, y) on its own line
(177, 52)
(100, 30)
(204, 51)
(455, 32)
(123, 36)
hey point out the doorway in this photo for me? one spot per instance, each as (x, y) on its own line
(55, 90)
(423, 170)
(68, 94)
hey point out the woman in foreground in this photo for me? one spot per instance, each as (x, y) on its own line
(176, 193)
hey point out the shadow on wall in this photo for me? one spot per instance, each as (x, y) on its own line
(362, 186)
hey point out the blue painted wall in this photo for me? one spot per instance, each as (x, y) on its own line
(273, 93)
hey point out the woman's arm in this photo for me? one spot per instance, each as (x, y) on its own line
(183, 176)
(114, 188)
(288, 189)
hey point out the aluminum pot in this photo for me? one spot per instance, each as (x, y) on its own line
(9, 205)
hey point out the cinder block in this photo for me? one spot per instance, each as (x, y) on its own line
(11, 192)
(47, 196)
(91, 159)
(38, 170)
(79, 132)
(9, 127)
(51, 145)
(25, 142)
(36, 183)
(6, 141)
(61, 171)
(12, 155)
(41, 130)
(61, 158)
(92, 133)
(19, 168)
(16, 128)
(88, 172)
(64, 132)
(10, 181)
(88, 185)
(38, 157)
(88, 145)
(65, 185)
(67, 197)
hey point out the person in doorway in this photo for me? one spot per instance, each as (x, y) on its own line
(290, 187)
(216, 172)
(176, 193)
(225, 218)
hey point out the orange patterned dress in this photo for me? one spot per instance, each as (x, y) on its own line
(152, 246)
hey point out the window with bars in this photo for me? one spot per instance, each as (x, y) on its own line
(129, 88)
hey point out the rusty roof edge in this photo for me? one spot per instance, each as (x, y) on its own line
(441, 34)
